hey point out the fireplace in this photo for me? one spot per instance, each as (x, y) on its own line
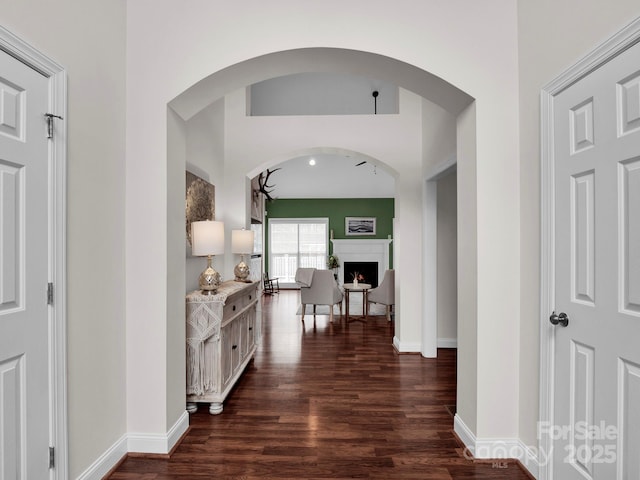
(367, 272)
(362, 251)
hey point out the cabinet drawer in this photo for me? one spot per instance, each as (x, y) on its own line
(236, 303)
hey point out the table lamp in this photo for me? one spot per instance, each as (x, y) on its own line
(242, 243)
(207, 239)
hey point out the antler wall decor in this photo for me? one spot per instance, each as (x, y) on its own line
(264, 187)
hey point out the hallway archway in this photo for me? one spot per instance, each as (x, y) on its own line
(425, 85)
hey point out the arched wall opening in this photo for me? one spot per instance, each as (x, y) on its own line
(332, 150)
(221, 98)
(315, 183)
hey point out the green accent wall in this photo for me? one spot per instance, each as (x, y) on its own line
(335, 209)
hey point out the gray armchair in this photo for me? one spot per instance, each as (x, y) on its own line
(385, 293)
(318, 287)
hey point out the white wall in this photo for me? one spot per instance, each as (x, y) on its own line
(73, 33)
(447, 260)
(205, 157)
(467, 361)
(435, 43)
(174, 296)
(439, 157)
(571, 29)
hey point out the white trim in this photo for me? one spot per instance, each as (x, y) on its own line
(530, 460)
(447, 343)
(106, 461)
(496, 448)
(602, 54)
(464, 433)
(158, 443)
(547, 278)
(406, 347)
(57, 76)
(145, 443)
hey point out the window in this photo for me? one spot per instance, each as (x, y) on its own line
(296, 242)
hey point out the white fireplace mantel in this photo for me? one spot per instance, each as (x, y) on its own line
(363, 250)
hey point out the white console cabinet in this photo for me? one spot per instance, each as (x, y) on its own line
(222, 331)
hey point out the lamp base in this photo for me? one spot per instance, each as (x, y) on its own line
(209, 279)
(241, 272)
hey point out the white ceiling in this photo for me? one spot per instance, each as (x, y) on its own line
(332, 176)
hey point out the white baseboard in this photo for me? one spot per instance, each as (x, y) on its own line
(447, 343)
(406, 347)
(413, 347)
(139, 443)
(496, 448)
(530, 460)
(464, 433)
(158, 443)
(106, 461)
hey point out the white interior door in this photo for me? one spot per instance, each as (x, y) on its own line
(24, 264)
(596, 391)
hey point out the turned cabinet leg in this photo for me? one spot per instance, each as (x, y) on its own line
(215, 408)
(192, 407)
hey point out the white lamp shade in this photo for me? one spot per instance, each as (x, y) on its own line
(207, 238)
(241, 241)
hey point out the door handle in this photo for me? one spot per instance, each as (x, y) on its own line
(562, 319)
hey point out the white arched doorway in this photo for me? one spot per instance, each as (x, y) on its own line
(229, 83)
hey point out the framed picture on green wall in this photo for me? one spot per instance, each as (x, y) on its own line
(360, 225)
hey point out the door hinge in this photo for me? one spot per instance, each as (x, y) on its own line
(50, 117)
(50, 294)
(52, 457)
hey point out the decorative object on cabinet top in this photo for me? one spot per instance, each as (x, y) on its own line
(242, 243)
(200, 201)
(207, 237)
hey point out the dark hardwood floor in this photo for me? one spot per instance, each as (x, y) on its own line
(326, 401)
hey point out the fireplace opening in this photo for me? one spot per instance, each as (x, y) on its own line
(368, 270)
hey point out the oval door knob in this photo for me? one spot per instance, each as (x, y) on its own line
(562, 319)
